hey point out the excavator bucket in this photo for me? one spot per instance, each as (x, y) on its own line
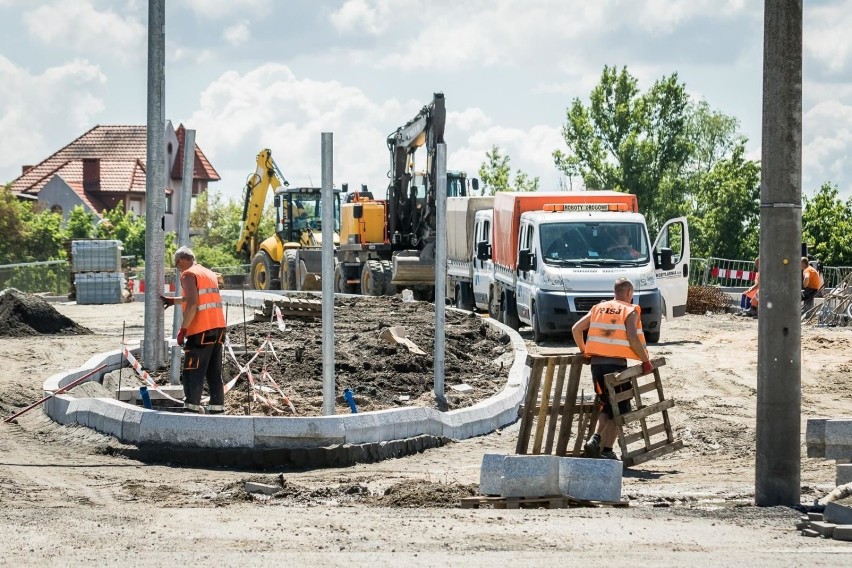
(411, 269)
(309, 270)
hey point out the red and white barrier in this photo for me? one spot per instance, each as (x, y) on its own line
(143, 374)
(717, 272)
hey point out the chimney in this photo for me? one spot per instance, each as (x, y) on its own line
(25, 169)
(91, 174)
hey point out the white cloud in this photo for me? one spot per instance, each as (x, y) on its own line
(237, 34)
(359, 16)
(827, 144)
(826, 34)
(38, 110)
(88, 30)
(219, 9)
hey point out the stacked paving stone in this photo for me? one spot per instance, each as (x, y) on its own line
(834, 522)
(540, 476)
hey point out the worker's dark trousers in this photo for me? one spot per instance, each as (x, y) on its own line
(203, 359)
(808, 295)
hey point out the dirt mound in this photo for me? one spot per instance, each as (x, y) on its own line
(23, 315)
(420, 494)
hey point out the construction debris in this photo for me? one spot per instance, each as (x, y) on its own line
(397, 335)
(836, 307)
(290, 307)
(703, 299)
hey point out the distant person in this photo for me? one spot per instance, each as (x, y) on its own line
(615, 335)
(812, 283)
(621, 248)
(749, 298)
(202, 335)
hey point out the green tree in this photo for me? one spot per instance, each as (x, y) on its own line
(45, 236)
(495, 174)
(12, 227)
(827, 226)
(116, 223)
(216, 225)
(629, 141)
(81, 224)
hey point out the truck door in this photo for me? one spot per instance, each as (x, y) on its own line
(526, 279)
(482, 269)
(674, 283)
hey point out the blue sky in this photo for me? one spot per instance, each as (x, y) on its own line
(250, 74)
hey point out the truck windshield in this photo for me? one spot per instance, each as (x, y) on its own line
(594, 244)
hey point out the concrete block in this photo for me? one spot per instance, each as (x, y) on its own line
(842, 532)
(57, 408)
(133, 417)
(279, 432)
(815, 437)
(409, 422)
(591, 479)
(490, 474)
(78, 411)
(824, 529)
(838, 438)
(198, 430)
(815, 517)
(837, 514)
(252, 487)
(844, 474)
(361, 428)
(810, 533)
(530, 476)
(107, 417)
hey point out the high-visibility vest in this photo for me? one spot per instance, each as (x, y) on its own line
(813, 277)
(208, 314)
(607, 335)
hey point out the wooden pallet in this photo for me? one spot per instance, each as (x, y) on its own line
(291, 307)
(553, 411)
(656, 438)
(547, 502)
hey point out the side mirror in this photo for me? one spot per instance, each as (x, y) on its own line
(483, 250)
(526, 261)
(474, 184)
(358, 211)
(663, 259)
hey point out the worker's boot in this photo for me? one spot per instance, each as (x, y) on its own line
(592, 448)
(608, 455)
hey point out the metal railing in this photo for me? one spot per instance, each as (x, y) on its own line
(722, 272)
(49, 277)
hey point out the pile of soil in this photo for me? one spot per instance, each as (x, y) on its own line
(25, 315)
(380, 374)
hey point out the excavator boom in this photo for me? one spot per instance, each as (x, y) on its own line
(257, 187)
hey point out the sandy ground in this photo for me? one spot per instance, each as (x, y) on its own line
(64, 499)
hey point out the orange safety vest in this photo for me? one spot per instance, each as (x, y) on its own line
(208, 314)
(814, 279)
(608, 330)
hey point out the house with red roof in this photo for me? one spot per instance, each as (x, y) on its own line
(105, 167)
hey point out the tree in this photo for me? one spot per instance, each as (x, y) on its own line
(81, 224)
(630, 141)
(12, 227)
(126, 227)
(827, 226)
(216, 224)
(495, 172)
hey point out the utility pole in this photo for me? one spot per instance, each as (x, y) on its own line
(153, 349)
(440, 271)
(327, 200)
(779, 373)
(184, 205)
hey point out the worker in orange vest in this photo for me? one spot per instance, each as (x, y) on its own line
(614, 335)
(811, 284)
(202, 335)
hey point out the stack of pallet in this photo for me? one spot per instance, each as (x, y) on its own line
(96, 269)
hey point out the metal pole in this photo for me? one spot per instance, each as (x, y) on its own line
(440, 268)
(153, 352)
(327, 146)
(778, 459)
(184, 205)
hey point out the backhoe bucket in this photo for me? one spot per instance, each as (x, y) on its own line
(309, 270)
(410, 270)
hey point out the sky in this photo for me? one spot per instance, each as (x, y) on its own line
(254, 74)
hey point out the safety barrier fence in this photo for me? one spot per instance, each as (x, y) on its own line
(728, 273)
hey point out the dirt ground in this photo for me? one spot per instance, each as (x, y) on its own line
(64, 499)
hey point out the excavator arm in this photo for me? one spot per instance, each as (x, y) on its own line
(257, 187)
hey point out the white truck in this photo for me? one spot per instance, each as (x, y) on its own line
(468, 277)
(555, 255)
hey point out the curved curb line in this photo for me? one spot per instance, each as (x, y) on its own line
(135, 425)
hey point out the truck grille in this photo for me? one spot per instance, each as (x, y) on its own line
(583, 305)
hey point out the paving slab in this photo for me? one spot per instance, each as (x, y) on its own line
(815, 437)
(842, 532)
(844, 474)
(823, 528)
(838, 438)
(837, 514)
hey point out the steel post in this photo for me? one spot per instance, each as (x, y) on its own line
(778, 455)
(184, 206)
(153, 349)
(440, 268)
(328, 397)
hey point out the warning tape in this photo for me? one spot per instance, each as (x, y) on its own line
(717, 272)
(281, 326)
(246, 369)
(143, 374)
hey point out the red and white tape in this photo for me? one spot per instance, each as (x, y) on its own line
(143, 374)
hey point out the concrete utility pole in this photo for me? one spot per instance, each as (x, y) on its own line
(327, 146)
(778, 463)
(440, 269)
(153, 350)
(184, 205)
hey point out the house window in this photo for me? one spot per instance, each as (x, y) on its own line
(56, 209)
(168, 204)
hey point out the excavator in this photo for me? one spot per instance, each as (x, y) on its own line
(389, 243)
(291, 259)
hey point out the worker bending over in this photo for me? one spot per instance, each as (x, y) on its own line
(202, 334)
(811, 284)
(615, 335)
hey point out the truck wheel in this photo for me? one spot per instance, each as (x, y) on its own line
(340, 284)
(538, 334)
(387, 268)
(510, 311)
(264, 272)
(652, 337)
(288, 270)
(372, 278)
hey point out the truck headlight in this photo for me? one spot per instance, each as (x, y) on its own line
(648, 279)
(550, 278)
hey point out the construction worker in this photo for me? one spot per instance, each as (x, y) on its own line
(202, 334)
(811, 284)
(749, 299)
(614, 335)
